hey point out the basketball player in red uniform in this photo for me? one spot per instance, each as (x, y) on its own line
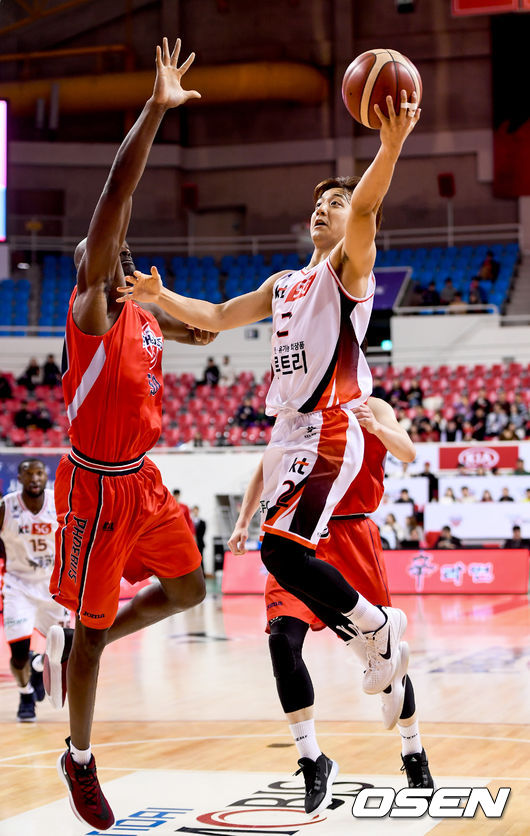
(115, 516)
(320, 316)
(353, 546)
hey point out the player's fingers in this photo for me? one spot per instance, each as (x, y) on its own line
(193, 94)
(154, 273)
(176, 52)
(379, 113)
(390, 106)
(165, 47)
(187, 63)
(159, 64)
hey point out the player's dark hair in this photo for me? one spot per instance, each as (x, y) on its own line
(30, 461)
(347, 184)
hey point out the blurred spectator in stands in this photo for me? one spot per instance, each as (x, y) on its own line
(430, 296)
(185, 510)
(457, 305)
(448, 291)
(516, 541)
(397, 396)
(197, 439)
(403, 419)
(392, 532)
(474, 287)
(509, 433)
(518, 420)
(246, 414)
(227, 372)
(474, 299)
(414, 435)
(496, 420)
(200, 528)
(461, 470)
(505, 496)
(42, 417)
(415, 394)
(30, 377)
(486, 497)
(416, 296)
(6, 392)
(211, 374)
(404, 496)
(481, 401)
(519, 469)
(526, 497)
(433, 402)
(262, 419)
(519, 405)
(23, 418)
(448, 497)
(450, 431)
(446, 540)
(466, 495)
(379, 390)
(432, 480)
(462, 408)
(490, 267)
(413, 535)
(51, 375)
(480, 471)
(478, 422)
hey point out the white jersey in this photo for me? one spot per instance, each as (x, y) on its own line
(317, 330)
(29, 539)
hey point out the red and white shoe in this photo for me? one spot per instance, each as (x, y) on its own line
(87, 801)
(55, 660)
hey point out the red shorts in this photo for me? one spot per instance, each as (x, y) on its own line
(113, 526)
(354, 548)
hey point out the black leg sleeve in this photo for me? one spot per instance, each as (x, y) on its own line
(293, 682)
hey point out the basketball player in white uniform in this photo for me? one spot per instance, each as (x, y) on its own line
(320, 316)
(27, 527)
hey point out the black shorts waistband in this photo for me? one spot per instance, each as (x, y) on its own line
(348, 517)
(106, 468)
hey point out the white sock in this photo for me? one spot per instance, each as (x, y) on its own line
(305, 739)
(27, 689)
(365, 616)
(81, 756)
(410, 736)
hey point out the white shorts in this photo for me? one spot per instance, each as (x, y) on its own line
(309, 464)
(28, 606)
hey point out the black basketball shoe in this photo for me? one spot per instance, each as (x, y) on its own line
(417, 768)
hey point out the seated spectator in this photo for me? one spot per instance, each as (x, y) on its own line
(450, 431)
(481, 402)
(403, 419)
(448, 291)
(509, 433)
(30, 377)
(474, 287)
(480, 471)
(211, 374)
(197, 439)
(516, 541)
(413, 535)
(378, 390)
(227, 374)
(478, 425)
(505, 496)
(457, 305)
(448, 497)
(51, 375)
(23, 418)
(42, 417)
(474, 299)
(430, 296)
(466, 495)
(415, 299)
(502, 398)
(446, 540)
(6, 392)
(486, 497)
(392, 532)
(461, 470)
(463, 408)
(396, 396)
(526, 497)
(518, 418)
(246, 414)
(404, 496)
(496, 420)
(414, 395)
(490, 267)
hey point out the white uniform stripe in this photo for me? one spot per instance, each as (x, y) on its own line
(87, 381)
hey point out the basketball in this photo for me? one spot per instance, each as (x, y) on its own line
(373, 76)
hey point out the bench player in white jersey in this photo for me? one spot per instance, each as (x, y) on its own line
(320, 316)
(27, 527)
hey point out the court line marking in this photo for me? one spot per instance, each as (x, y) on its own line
(260, 736)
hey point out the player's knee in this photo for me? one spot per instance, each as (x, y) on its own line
(19, 653)
(285, 649)
(88, 643)
(185, 592)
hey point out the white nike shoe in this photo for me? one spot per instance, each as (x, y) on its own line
(382, 650)
(392, 700)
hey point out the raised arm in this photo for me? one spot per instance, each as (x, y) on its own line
(111, 216)
(249, 506)
(378, 417)
(242, 310)
(356, 256)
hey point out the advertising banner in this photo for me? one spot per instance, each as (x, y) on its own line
(483, 7)
(478, 455)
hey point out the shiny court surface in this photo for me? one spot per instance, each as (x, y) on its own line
(189, 734)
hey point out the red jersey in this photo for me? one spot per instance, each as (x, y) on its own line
(112, 386)
(366, 491)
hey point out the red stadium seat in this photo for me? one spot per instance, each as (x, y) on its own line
(17, 436)
(35, 438)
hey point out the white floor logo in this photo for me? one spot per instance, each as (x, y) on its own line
(445, 803)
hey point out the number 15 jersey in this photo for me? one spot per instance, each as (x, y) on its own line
(317, 330)
(29, 539)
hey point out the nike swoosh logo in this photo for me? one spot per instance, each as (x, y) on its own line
(386, 655)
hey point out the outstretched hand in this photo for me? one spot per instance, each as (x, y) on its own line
(168, 90)
(141, 287)
(397, 126)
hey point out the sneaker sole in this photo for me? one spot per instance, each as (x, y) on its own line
(326, 801)
(52, 674)
(398, 688)
(401, 627)
(26, 719)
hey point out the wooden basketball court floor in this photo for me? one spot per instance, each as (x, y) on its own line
(189, 735)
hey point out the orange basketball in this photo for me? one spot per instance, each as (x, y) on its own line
(373, 76)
